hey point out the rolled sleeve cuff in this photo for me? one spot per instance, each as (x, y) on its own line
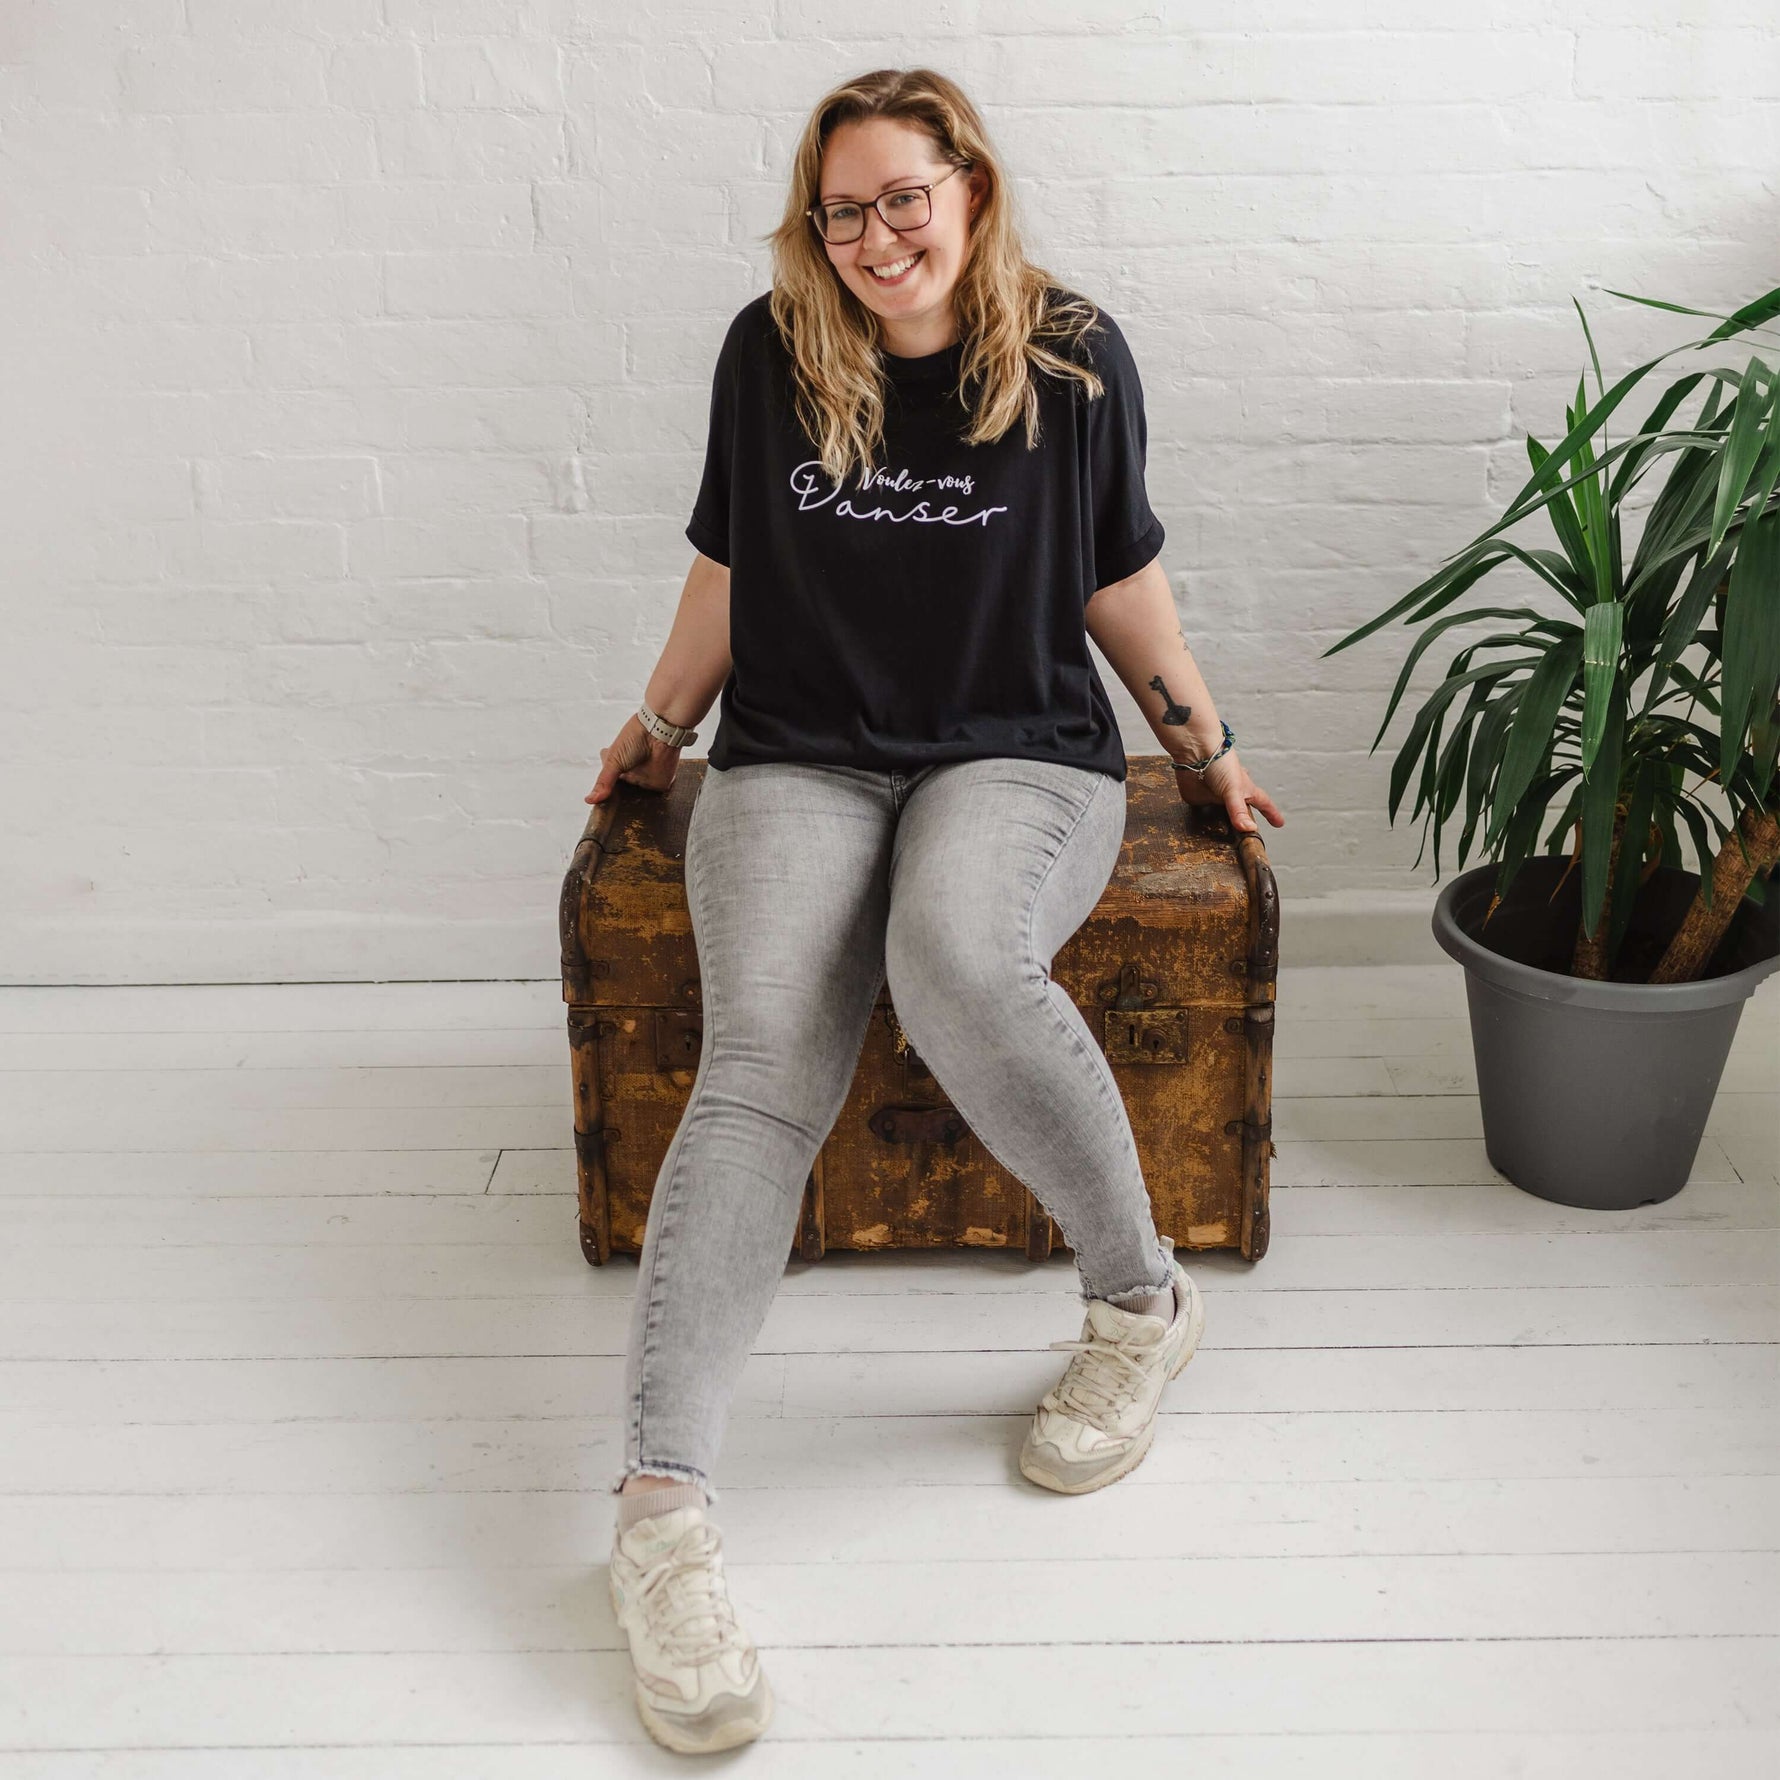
(708, 542)
(1116, 565)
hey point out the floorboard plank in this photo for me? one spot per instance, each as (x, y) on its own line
(308, 1425)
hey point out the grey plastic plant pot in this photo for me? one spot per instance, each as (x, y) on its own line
(1596, 1093)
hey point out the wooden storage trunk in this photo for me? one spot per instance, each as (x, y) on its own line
(1174, 971)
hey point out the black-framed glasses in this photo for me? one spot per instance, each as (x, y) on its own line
(908, 207)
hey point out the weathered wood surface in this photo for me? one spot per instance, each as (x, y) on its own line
(1174, 972)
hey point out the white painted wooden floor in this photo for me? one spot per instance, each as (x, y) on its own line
(306, 1423)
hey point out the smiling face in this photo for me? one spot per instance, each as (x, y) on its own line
(876, 155)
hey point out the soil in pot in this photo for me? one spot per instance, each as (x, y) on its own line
(1533, 928)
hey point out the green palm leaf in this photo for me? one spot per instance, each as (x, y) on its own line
(1600, 798)
(1600, 662)
(1748, 429)
(1751, 638)
(1545, 738)
(1530, 739)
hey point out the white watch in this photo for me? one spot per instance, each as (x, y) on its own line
(674, 734)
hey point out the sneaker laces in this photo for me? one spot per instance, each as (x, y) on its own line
(688, 1608)
(1102, 1378)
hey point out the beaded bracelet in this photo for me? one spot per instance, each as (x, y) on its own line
(1199, 766)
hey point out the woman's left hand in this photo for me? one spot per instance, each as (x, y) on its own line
(1226, 782)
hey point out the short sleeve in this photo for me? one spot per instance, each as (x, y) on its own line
(1126, 532)
(708, 528)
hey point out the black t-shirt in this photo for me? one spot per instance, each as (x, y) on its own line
(936, 614)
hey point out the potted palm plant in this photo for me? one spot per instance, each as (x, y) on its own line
(1604, 979)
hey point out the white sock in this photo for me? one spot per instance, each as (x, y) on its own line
(636, 1505)
(1162, 1305)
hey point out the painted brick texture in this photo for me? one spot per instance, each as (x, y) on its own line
(357, 355)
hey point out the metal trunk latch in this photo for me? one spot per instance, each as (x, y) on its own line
(1132, 1030)
(917, 1124)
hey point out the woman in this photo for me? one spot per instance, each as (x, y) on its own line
(923, 491)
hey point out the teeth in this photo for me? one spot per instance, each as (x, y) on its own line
(895, 270)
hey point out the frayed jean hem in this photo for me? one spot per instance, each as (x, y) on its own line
(1123, 1300)
(666, 1468)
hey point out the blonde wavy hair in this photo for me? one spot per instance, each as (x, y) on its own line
(1011, 326)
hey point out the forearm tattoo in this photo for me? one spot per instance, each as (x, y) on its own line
(1172, 713)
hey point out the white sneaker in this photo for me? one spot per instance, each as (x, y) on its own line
(1099, 1420)
(699, 1683)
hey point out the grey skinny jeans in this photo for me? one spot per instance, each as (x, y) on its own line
(809, 886)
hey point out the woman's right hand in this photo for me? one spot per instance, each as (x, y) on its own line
(636, 757)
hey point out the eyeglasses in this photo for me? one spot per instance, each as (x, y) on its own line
(908, 207)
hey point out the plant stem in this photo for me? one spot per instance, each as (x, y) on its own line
(1590, 956)
(1696, 939)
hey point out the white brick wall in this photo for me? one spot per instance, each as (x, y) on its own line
(356, 357)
